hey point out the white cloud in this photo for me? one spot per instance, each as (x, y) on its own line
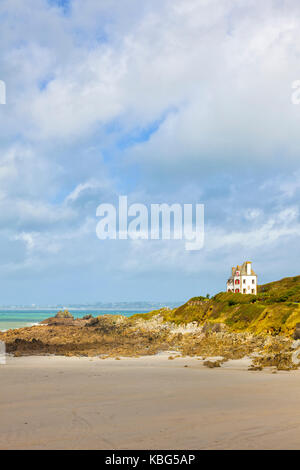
(252, 214)
(27, 238)
(163, 101)
(84, 187)
(227, 75)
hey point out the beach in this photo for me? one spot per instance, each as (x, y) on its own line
(55, 402)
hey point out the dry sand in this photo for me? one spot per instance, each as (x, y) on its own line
(145, 403)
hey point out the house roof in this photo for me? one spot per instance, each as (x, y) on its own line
(243, 270)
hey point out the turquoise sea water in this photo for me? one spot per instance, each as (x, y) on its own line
(19, 318)
(11, 319)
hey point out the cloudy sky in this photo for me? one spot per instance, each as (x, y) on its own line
(164, 101)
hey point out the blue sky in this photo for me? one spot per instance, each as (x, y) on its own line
(177, 102)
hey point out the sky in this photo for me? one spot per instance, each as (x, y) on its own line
(165, 102)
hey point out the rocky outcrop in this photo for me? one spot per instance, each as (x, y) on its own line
(296, 334)
(116, 336)
(64, 318)
(64, 314)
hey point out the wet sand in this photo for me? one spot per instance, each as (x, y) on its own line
(145, 403)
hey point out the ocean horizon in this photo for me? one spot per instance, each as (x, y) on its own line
(20, 317)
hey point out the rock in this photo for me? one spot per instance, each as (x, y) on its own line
(296, 334)
(295, 344)
(211, 364)
(209, 327)
(92, 322)
(295, 357)
(64, 314)
(87, 317)
(252, 368)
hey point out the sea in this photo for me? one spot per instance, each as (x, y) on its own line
(20, 317)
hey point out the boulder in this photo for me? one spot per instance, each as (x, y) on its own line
(63, 314)
(296, 334)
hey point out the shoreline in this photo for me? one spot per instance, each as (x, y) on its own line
(149, 402)
(115, 336)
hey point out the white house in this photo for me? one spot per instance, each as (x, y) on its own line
(243, 279)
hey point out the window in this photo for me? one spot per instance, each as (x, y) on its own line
(244, 291)
(237, 281)
(252, 291)
(253, 281)
(244, 281)
(237, 291)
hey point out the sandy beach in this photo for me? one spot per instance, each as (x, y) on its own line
(145, 403)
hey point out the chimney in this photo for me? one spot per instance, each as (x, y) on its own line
(232, 271)
(248, 268)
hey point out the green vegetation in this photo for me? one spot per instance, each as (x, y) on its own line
(274, 310)
(286, 290)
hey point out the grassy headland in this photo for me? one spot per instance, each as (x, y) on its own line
(274, 310)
